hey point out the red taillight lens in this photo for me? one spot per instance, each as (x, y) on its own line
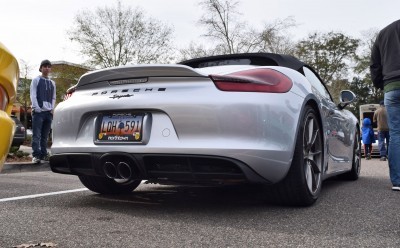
(67, 96)
(254, 80)
(69, 92)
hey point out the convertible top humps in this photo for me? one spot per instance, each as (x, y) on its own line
(261, 59)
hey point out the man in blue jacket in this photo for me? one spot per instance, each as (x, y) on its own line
(43, 98)
(385, 75)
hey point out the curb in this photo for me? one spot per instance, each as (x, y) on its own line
(24, 167)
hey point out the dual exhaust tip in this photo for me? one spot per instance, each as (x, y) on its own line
(120, 170)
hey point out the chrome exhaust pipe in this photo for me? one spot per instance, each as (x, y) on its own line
(110, 170)
(124, 170)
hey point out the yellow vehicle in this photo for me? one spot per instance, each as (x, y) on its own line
(9, 76)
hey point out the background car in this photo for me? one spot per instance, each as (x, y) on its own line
(257, 118)
(19, 134)
(9, 75)
(367, 111)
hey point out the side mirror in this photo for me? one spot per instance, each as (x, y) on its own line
(346, 97)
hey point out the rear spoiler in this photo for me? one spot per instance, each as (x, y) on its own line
(138, 72)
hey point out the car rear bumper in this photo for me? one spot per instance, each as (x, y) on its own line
(160, 168)
(18, 140)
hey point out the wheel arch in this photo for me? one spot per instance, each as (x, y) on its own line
(302, 184)
(313, 102)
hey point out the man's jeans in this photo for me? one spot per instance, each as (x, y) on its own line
(41, 125)
(392, 103)
(382, 137)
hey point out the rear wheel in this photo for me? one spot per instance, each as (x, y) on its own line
(104, 185)
(302, 185)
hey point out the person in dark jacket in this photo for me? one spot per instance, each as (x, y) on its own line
(385, 75)
(368, 137)
(43, 98)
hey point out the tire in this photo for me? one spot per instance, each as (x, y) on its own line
(104, 185)
(354, 173)
(302, 185)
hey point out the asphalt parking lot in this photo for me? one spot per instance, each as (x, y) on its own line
(43, 207)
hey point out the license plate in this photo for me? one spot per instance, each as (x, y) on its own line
(121, 127)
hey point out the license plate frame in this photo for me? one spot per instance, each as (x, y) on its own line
(120, 128)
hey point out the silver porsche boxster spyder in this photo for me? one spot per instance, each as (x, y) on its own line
(255, 118)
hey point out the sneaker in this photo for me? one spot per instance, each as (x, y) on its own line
(46, 158)
(36, 160)
(396, 188)
(369, 156)
(383, 159)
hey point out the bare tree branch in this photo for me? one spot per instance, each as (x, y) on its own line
(113, 36)
(228, 34)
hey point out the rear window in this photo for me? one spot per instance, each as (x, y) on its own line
(225, 62)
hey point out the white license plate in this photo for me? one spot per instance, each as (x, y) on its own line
(121, 127)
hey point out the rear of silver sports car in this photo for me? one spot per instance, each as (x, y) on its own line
(176, 124)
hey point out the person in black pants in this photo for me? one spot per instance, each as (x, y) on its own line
(43, 98)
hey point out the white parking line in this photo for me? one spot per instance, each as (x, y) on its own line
(41, 195)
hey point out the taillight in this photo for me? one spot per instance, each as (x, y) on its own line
(69, 92)
(254, 80)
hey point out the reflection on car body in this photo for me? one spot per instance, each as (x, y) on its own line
(258, 118)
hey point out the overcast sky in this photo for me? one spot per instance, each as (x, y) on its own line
(34, 30)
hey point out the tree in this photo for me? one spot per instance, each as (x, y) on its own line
(66, 75)
(223, 24)
(113, 36)
(329, 54)
(229, 34)
(337, 86)
(23, 91)
(362, 87)
(275, 37)
(196, 51)
(363, 60)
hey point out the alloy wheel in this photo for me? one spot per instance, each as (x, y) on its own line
(312, 153)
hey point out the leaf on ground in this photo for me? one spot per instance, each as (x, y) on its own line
(26, 245)
(50, 244)
(42, 244)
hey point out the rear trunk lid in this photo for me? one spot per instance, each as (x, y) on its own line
(137, 74)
